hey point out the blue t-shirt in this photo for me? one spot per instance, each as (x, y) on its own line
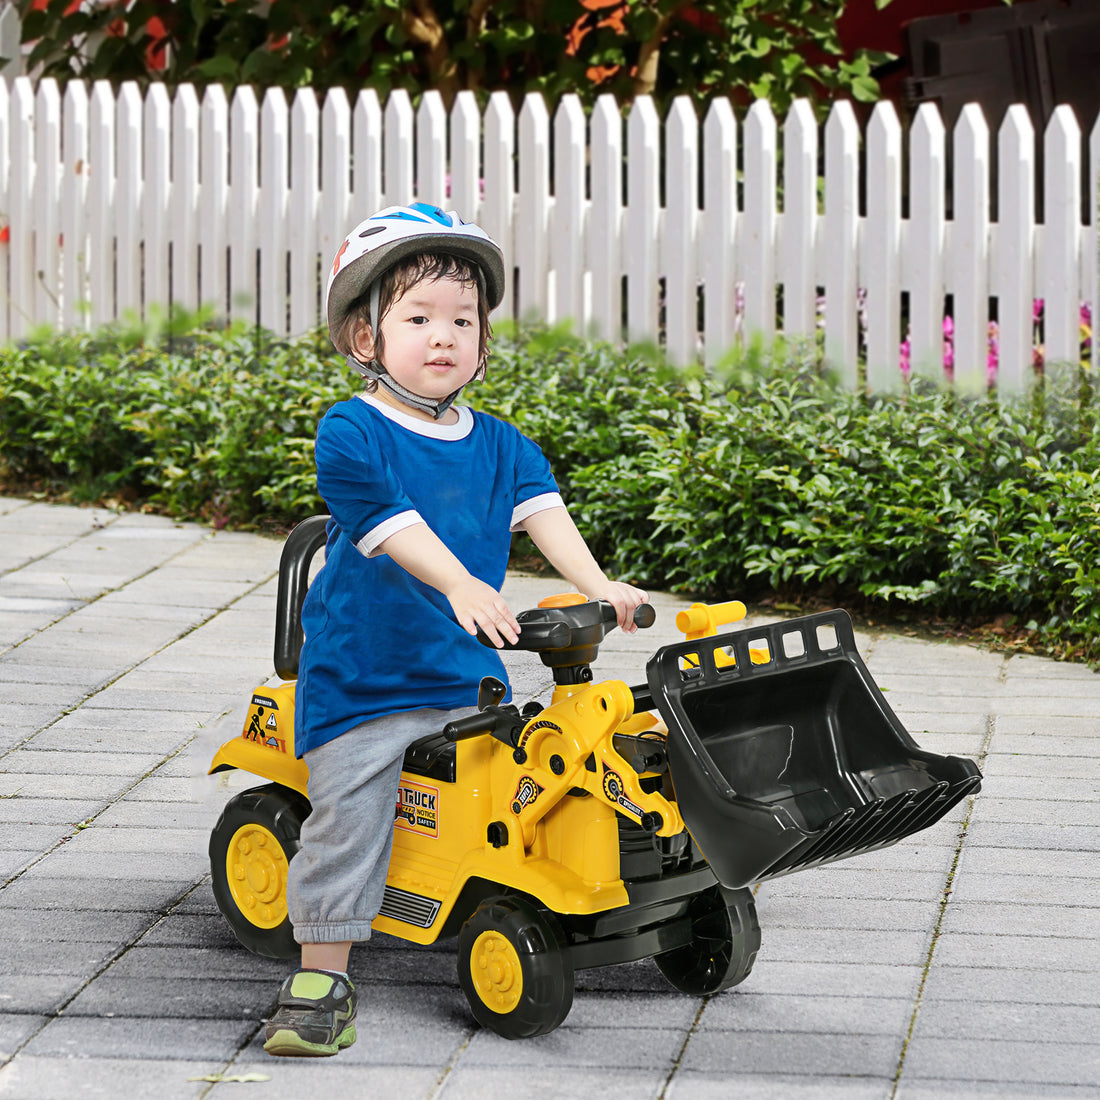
(379, 641)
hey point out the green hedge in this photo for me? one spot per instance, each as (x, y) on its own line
(720, 483)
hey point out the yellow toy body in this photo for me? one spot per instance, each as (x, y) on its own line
(615, 824)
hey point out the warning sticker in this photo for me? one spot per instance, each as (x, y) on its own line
(417, 808)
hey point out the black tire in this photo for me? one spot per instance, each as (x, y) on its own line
(514, 967)
(263, 825)
(725, 937)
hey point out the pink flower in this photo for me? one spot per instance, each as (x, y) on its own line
(1036, 311)
(903, 356)
(992, 353)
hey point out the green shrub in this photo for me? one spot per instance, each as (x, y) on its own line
(723, 483)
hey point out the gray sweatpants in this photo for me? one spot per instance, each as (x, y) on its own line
(336, 881)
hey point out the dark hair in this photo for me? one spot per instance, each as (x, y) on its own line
(397, 280)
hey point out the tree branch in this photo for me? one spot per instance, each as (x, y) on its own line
(649, 56)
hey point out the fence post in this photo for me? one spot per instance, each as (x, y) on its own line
(45, 300)
(1014, 275)
(568, 215)
(183, 204)
(431, 149)
(465, 192)
(718, 230)
(213, 200)
(241, 206)
(798, 239)
(11, 31)
(101, 202)
(605, 218)
(923, 257)
(882, 247)
(1061, 221)
(681, 217)
(156, 191)
(5, 214)
(498, 217)
(841, 241)
(73, 201)
(969, 278)
(305, 266)
(129, 226)
(533, 207)
(366, 139)
(399, 184)
(272, 207)
(758, 237)
(643, 219)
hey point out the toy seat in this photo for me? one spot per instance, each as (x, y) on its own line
(797, 760)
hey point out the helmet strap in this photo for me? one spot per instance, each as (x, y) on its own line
(375, 372)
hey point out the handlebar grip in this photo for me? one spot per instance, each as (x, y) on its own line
(644, 615)
(470, 726)
(535, 636)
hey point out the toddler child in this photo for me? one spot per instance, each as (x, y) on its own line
(424, 495)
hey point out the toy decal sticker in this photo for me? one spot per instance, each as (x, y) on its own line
(256, 732)
(264, 701)
(526, 793)
(417, 808)
(613, 789)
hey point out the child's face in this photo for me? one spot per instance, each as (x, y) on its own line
(432, 338)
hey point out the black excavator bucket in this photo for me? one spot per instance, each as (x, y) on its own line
(784, 754)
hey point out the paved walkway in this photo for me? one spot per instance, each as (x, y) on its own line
(960, 963)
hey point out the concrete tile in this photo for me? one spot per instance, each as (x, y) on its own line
(150, 865)
(33, 759)
(831, 1055)
(46, 811)
(44, 926)
(997, 917)
(939, 1019)
(839, 945)
(1019, 987)
(79, 960)
(696, 1085)
(173, 962)
(634, 1047)
(835, 979)
(15, 1029)
(470, 1082)
(941, 1089)
(141, 1038)
(795, 1014)
(96, 788)
(183, 998)
(1020, 1062)
(1051, 836)
(35, 890)
(47, 1078)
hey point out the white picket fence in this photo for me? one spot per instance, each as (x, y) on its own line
(700, 233)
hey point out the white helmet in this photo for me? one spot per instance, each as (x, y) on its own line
(387, 237)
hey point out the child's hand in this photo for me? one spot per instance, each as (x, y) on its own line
(624, 598)
(476, 603)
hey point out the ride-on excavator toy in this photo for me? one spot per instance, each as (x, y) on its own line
(617, 823)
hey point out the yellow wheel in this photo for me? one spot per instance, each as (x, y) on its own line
(251, 847)
(496, 971)
(255, 869)
(514, 967)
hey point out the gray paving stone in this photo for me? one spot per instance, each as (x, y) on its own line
(96, 788)
(128, 1037)
(15, 1029)
(1052, 1063)
(1027, 889)
(47, 1078)
(1017, 951)
(1020, 987)
(75, 959)
(794, 1014)
(813, 1055)
(37, 995)
(30, 759)
(1053, 835)
(777, 977)
(783, 911)
(46, 811)
(547, 1082)
(153, 865)
(941, 1089)
(182, 998)
(839, 945)
(995, 917)
(992, 807)
(74, 894)
(197, 962)
(695, 1085)
(42, 927)
(993, 1020)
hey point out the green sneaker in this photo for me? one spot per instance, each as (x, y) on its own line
(314, 1016)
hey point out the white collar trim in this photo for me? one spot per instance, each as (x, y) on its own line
(458, 430)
